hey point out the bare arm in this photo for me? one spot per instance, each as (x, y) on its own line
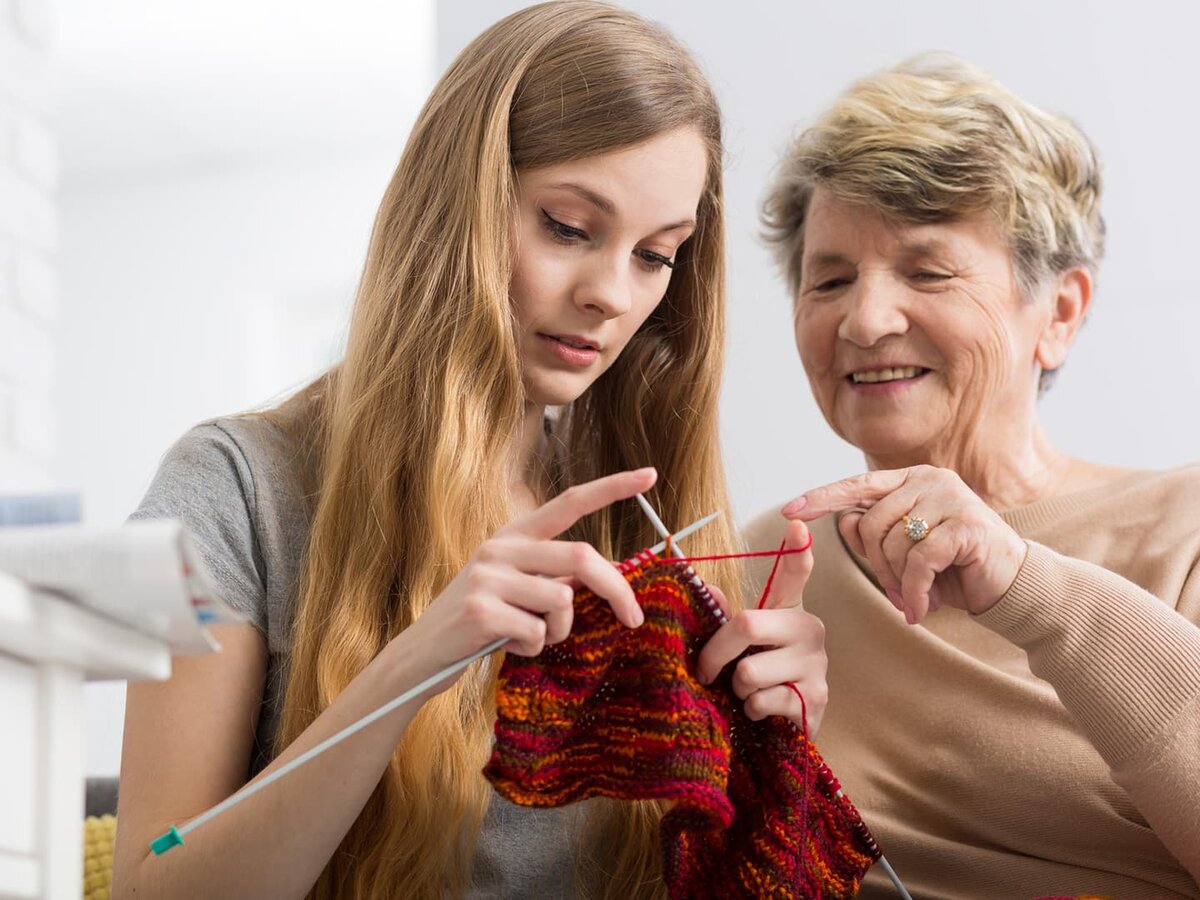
(188, 741)
(187, 747)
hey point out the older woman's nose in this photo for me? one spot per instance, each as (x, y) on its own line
(873, 311)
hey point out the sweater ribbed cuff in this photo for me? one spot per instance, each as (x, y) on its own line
(1123, 662)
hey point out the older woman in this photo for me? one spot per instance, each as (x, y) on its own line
(1014, 657)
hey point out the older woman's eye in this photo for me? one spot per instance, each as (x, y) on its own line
(932, 276)
(831, 284)
(560, 231)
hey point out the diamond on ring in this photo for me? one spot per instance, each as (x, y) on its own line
(916, 528)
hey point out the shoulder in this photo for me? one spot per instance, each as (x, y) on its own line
(1166, 500)
(1141, 525)
(241, 486)
(228, 459)
(1177, 488)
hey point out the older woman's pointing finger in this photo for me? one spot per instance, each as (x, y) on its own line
(930, 540)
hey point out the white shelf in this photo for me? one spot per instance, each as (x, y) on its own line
(39, 627)
(48, 648)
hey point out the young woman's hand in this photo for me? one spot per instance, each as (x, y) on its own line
(519, 583)
(792, 643)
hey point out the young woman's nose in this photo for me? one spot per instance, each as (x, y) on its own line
(604, 285)
(874, 310)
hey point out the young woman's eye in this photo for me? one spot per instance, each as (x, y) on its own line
(654, 261)
(560, 231)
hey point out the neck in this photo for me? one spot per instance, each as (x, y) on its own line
(527, 480)
(1022, 470)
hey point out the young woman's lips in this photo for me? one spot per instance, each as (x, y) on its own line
(568, 352)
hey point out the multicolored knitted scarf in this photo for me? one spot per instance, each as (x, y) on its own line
(619, 712)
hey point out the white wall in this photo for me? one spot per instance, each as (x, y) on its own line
(195, 297)
(1128, 73)
(215, 216)
(28, 245)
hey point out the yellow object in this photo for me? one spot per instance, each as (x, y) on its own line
(98, 836)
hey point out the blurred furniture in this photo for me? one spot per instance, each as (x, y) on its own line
(48, 649)
(100, 796)
(99, 835)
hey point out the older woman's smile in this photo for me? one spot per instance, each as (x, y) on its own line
(886, 375)
(907, 367)
(940, 237)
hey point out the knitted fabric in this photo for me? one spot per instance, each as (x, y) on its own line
(619, 712)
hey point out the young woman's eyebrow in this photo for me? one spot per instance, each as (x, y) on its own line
(608, 207)
(598, 200)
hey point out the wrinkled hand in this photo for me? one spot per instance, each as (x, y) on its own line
(520, 583)
(793, 643)
(969, 559)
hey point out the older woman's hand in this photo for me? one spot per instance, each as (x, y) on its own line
(965, 556)
(792, 655)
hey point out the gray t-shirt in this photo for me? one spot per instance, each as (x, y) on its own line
(237, 483)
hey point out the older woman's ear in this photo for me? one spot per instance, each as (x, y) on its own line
(1069, 303)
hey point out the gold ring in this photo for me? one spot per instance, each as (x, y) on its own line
(916, 528)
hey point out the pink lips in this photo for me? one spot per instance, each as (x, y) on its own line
(575, 356)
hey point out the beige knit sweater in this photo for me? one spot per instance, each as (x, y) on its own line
(1049, 746)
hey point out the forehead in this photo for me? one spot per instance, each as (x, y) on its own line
(661, 178)
(835, 228)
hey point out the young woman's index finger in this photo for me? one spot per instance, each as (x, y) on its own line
(555, 516)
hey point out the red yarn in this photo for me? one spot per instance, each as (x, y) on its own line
(619, 712)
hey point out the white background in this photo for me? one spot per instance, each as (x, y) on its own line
(221, 165)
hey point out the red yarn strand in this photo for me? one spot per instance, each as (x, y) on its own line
(762, 601)
(752, 555)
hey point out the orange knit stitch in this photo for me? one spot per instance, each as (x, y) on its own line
(619, 712)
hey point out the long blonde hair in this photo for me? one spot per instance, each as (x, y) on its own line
(413, 433)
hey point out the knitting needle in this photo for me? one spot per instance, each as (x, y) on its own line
(661, 528)
(695, 526)
(663, 532)
(891, 873)
(173, 837)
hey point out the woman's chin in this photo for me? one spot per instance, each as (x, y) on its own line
(901, 446)
(557, 394)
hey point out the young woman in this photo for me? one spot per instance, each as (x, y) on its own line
(552, 237)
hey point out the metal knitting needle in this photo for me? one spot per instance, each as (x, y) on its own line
(891, 873)
(173, 837)
(695, 581)
(661, 528)
(695, 526)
